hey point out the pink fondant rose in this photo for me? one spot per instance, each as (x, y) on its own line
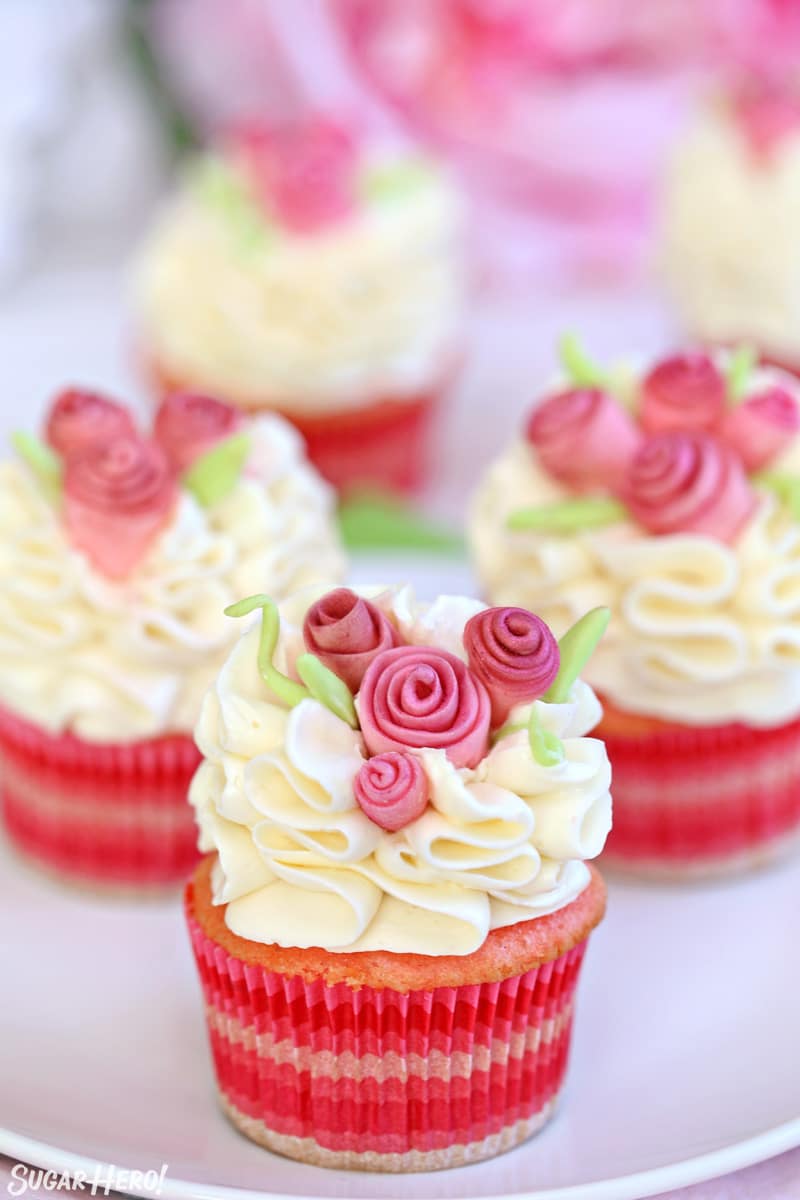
(762, 426)
(392, 789)
(117, 498)
(346, 632)
(689, 483)
(513, 653)
(767, 113)
(418, 696)
(187, 425)
(303, 172)
(583, 437)
(683, 393)
(79, 418)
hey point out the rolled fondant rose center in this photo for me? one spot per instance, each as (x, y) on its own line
(79, 419)
(392, 789)
(346, 632)
(514, 653)
(188, 424)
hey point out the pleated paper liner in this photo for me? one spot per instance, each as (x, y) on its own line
(110, 817)
(380, 1079)
(694, 801)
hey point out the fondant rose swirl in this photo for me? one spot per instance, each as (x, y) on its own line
(583, 437)
(392, 789)
(79, 419)
(762, 426)
(117, 498)
(346, 632)
(513, 653)
(689, 482)
(419, 696)
(188, 424)
(685, 392)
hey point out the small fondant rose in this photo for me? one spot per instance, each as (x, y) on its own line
(762, 426)
(345, 631)
(419, 696)
(513, 653)
(583, 437)
(117, 498)
(187, 425)
(79, 419)
(689, 483)
(392, 789)
(685, 392)
(766, 114)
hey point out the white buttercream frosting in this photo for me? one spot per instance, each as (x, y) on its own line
(117, 661)
(371, 306)
(300, 864)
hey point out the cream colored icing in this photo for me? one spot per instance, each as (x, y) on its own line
(730, 245)
(119, 661)
(299, 864)
(372, 306)
(701, 632)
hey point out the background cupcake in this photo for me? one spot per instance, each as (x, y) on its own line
(311, 271)
(119, 552)
(670, 496)
(391, 923)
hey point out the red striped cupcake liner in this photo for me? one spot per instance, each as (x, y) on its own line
(109, 816)
(691, 800)
(382, 1080)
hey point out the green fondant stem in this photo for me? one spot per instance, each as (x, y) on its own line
(287, 690)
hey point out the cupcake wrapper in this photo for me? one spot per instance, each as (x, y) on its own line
(382, 1080)
(697, 800)
(115, 816)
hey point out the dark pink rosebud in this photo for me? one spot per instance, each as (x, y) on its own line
(346, 631)
(187, 425)
(583, 437)
(418, 696)
(514, 654)
(683, 393)
(79, 418)
(392, 789)
(762, 426)
(689, 483)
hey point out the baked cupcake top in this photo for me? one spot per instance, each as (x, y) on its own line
(119, 551)
(382, 774)
(303, 266)
(671, 495)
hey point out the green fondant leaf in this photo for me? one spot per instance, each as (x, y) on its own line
(325, 686)
(785, 487)
(576, 648)
(214, 474)
(740, 368)
(546, 747)
(371, 521)
(223, 190)
(287, 690)
(569, 516)
(394, 180)
(577, 364)
(43, 462)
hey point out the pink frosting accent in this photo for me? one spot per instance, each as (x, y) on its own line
(513, 653)
(767, 114)
(117, 499)
(762, 426)
(346, 632)
(419, 696)
(303, 172)
(689, 483)
(683, 393)
(187, 425)
(80, 418)
(583, 437)
(392, 789)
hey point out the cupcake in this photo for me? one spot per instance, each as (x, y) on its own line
(118, 552)
(731, 250)
(308, 270)
(398, 801)
(672, 496)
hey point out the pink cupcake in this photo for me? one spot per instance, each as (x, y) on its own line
(120, 550)
(398, 801)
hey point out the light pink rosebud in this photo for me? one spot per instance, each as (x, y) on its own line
(392, 789)
(683, 393)
(79, 418)
(346, 632)
(762, 426)
(187, 425)
(689, 483)
(583, 437)
(418, 696)
(513, 653)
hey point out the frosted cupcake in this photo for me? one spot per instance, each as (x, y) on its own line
(306, 270)
(731, 250)
(399, 801)
(118, 553)
(673, 497)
